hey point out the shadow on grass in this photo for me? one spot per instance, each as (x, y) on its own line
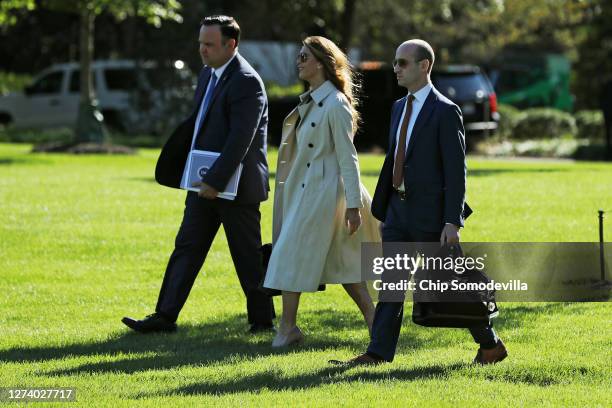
(10, 161)
(278, 381)
(223, 340)
(202, 344)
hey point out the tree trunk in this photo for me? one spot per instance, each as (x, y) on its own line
(347, 24)
(89, 127)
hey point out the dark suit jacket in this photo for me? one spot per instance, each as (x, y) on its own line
(235, 126)
(434, 169)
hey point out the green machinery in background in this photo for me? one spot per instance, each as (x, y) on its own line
(528, 80)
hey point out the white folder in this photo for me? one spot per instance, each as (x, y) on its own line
(198, 164)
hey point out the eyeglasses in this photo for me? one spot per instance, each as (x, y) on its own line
(303, 57)
(400, 62)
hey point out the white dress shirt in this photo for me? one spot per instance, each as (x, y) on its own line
(218, 73)
(419, 99)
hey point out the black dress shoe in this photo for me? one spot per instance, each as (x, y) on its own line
(152, 323)
(364, 359)
(262, 328)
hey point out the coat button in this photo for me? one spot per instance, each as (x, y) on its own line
(302, 185)
(312, 124)
(307, 164)
(320, 104)
(310, 145)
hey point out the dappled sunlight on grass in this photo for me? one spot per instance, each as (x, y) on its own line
(84, 241)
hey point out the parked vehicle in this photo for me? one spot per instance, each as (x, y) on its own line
(466, 85)
(469, 87)
(134, 98)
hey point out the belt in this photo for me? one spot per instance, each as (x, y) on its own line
(401, 194)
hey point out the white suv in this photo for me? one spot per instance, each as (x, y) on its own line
(133, 98)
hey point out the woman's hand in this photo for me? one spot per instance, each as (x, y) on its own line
(352, 219)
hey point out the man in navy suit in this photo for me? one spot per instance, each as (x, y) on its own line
(230, 117)
(420, 194)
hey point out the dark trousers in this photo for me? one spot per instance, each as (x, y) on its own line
(201, 221)
(399, 227)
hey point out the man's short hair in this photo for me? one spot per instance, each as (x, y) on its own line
(229, 27)
(423, 51)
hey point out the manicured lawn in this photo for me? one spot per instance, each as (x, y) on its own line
(84, 241)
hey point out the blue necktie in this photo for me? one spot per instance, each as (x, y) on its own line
(207, 98)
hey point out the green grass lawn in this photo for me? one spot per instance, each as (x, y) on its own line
(84, 241)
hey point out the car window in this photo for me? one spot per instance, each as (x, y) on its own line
(460, 85)
(48, 84)
(75, 81)
(120, 79)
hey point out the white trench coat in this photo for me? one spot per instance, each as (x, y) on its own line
(317, 176)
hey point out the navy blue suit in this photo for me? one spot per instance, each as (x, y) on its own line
(434, 181)
(235, 125)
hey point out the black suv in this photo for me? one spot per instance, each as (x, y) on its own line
(470, 88)
(466, 85)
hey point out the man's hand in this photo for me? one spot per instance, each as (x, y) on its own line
(450, 235)
(352, 219)
(206, 191)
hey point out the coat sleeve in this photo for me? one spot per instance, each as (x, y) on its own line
(452, 147)
(341, 124)
(246, 105)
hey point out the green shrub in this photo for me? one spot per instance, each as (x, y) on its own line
(544, 123)
(36, 136)
(590, 124)
(509, 116)
(557, 148)
(274, 90)
(138, 140)
(11, 82)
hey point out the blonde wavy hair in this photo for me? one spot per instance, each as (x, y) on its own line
(337, 69)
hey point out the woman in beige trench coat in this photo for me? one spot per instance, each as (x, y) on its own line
(321, 209)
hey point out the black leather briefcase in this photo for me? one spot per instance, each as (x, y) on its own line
(452, 308)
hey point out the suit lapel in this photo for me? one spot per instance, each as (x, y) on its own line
(289, 125)
(202, 88)
(395, 119)
(220, 83)
(424, 114)
(223, 80)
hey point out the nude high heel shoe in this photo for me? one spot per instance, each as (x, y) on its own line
(294, 336)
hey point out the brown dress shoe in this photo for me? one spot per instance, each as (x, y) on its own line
(491, 356)
(360, 360)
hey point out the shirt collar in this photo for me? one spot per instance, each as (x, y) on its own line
(219, 71)
(422, 93)
(320, 93)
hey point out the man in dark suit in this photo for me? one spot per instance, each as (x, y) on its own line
(420, 193)
(230, 117)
